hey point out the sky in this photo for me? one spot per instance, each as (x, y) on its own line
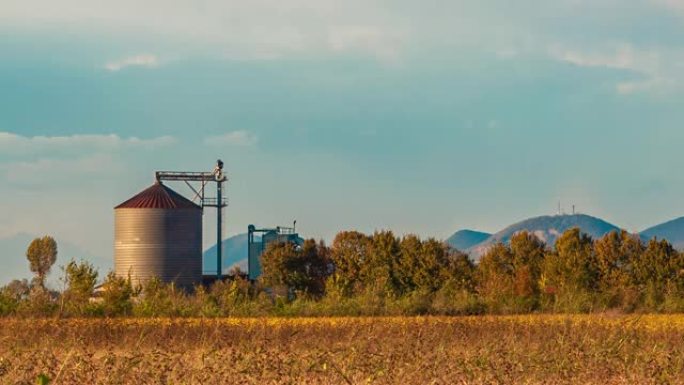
(420, 117)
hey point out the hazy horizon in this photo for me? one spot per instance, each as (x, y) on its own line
(423, 118)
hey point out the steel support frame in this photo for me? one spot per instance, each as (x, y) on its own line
(217, 176)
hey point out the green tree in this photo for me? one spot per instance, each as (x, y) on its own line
(315, 259)
(435, 266)
(18, 289)
(456, 296)
(160, 299)
(616, 255)
(658, 273)
(80, 280)
(495, 277)
(381, 272)
(655, 266)
(527, 252)
(461, 271)
(278, 267)
(231, 297)
(571, 272)
(288, 268)
(508, 275)
(42, 254)
(116, 295)
(348, 253)
(12, 295)
(410, 263)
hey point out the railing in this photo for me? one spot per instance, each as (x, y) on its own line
(213, 202)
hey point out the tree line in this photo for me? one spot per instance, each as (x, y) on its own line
(576, 274)
(383, 274)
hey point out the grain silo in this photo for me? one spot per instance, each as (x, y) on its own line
(158, 233)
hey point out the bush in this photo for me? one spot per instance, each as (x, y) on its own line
(40, 302)
(8, 304)
(234, 297)
(116, 296)
(80, 279)
(412, 304)
(573, 301)
(158, 299)
(452, 301)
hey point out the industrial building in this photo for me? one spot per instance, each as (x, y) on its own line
(257, 245)
(158, 232)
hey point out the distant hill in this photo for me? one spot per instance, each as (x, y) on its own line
(465, 239)
(548, 229)
(672, 231)
(15, 265)
(234, 254)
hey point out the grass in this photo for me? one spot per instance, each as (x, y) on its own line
(538, 349)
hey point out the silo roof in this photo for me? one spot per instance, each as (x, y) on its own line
(158, 196)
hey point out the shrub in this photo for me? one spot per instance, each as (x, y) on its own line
(116, 295)
(159, 299)
(453, 300)
(80, 279)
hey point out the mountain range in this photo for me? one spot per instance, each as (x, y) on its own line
(465, 239)
(673, 231)
(234, 255)
(476, 243)
(549, 228)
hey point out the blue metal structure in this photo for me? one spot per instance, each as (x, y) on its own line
(257, 245)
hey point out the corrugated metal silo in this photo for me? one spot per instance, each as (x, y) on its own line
(158, 233)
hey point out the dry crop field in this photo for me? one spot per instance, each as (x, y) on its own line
(539, 349)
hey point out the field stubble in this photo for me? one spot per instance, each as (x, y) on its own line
(470, 350)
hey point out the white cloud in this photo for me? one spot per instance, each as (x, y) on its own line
(673, 4)
(252, 30)
(635, 86)
(648, 65)
(380, 43)
(623, 57)
(143, 60)
(11, 143)
(47, 170)
(234, 138)
(492, 124)
(369, 132)
(82, 175)
(268, 29)
(507, 52)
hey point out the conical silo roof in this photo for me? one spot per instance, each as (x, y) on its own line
(158, 196)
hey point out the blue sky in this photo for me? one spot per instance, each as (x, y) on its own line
(423, 117)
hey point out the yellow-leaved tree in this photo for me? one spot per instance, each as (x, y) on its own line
(42, 254)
